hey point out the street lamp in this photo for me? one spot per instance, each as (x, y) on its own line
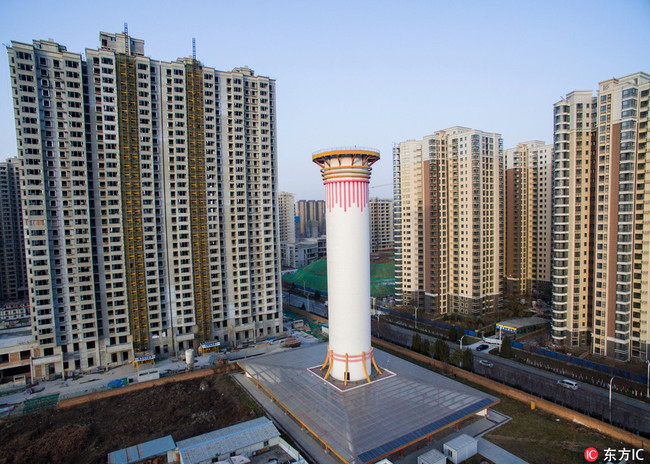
(610, 398)
(415, 319)
(461, 342)
(500, 337)
(304, 289)
(378, 326)
(647, 391)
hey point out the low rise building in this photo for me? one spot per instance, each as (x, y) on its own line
(522, 325)
(302, 253)
(255, 441)
(432, 457)
(16, 347)
(13, 311)
(460, 448)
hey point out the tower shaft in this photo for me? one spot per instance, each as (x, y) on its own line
(346, 174)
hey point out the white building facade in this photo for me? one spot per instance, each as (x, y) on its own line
(168, 234)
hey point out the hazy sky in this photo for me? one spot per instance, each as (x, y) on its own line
(368, 73)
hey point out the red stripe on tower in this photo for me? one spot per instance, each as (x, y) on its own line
(328, 200)
(339, 202)
(346, 186)
(359, 194)
(346, 194)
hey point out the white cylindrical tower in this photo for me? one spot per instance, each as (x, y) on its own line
(346, 174)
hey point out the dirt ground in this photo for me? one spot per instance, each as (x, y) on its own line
(88, 432)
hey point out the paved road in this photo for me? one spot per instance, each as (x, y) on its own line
(627, 413)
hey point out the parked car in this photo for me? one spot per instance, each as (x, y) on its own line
(485, 362)
(482, 347)
(566, 383)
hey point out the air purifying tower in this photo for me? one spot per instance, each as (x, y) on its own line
(346, 174)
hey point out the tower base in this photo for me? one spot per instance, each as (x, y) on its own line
(345, 361)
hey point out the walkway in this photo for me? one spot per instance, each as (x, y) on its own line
(307, 445)
(496, 454)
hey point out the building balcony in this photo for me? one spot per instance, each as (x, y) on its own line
(558, 336)
(184, 337)
(43, 360)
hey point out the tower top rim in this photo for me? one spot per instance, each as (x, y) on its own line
(343, 151)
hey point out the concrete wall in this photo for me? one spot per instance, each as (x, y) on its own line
(144, 385)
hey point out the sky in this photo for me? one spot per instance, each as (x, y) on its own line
(368, 73)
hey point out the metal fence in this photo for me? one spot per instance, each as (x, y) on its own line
(542, 351)
(440, 325)
(591, 365)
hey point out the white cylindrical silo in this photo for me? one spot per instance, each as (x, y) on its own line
(346, 174)
(189, 358)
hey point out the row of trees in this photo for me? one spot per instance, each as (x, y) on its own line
(440, 350)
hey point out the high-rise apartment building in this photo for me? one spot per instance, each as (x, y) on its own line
(287, 228)
(381, 224)
(316, 212)
(622, 219)
(600, 219)
(528, 200)
(151, 206)
(311, 218)
(13, 270)
(287, 212)
(574, 168)
(448, 228)
(301, 214)
(49, 107)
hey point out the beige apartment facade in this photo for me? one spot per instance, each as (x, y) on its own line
(287, 213)
(381, 225)
(528, 219)
(622, 244)
(573, 217)
(311, 218)
(449, 201)
(167, 236)
(600, 230)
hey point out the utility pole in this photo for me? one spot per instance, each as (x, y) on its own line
(610, 398)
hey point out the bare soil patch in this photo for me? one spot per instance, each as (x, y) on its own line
(88, 432)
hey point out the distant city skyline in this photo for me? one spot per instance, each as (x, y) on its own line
(369, 74)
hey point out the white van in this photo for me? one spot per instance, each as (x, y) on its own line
(566, 383)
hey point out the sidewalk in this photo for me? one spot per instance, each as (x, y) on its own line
(496, 454)
(307, 444)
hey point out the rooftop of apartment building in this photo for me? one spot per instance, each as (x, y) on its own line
(15, 336)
